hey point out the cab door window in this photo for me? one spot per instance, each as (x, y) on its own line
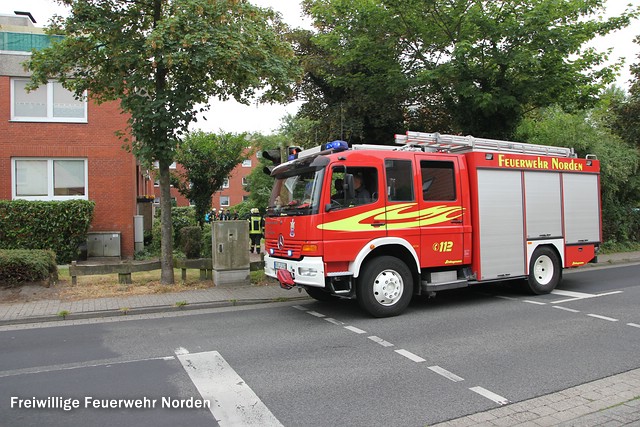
(399, 180)
(438, 180)
(364, 189)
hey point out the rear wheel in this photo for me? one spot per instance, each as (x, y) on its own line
(544, 271)
(320, 294)
(385, 287)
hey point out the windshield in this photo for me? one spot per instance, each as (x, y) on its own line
(296, 193)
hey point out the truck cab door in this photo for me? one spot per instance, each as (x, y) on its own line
(352, 217)
(442, 213)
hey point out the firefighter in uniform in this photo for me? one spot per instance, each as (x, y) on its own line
(256, 229)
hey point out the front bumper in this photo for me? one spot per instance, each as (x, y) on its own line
(309, 271)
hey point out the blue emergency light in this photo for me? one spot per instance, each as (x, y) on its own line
(336, 145)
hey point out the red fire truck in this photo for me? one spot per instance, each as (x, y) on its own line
(383, 223)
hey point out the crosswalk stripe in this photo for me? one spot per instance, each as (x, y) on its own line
(232, 400)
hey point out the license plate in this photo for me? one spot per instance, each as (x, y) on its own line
(280, 265)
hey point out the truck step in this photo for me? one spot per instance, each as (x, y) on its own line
(443, 286)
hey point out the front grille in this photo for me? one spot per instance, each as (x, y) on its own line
(295, 248)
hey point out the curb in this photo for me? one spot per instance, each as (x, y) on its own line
(145, 310)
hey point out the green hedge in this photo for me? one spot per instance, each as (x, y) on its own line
(19, 266)
(191, 241)
(184, 216)
(58, 226)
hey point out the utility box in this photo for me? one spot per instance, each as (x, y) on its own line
(103, 244)
(138, 233)
(230, 250)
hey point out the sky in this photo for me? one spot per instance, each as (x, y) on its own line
(230, 116)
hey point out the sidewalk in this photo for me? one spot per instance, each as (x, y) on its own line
(613, 401)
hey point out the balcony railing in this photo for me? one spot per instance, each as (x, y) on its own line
(25, 42)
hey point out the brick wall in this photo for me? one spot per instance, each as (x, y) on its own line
(111, 170)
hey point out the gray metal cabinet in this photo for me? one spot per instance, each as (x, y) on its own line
(103, 244)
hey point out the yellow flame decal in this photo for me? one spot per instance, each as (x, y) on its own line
(400, 216)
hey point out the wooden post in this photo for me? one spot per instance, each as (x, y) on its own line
(74, 278)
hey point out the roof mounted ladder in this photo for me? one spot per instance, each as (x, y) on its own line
(456, 143)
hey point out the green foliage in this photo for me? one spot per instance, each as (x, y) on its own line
(21, 266)
(259, 182)
(206, 242)
(207, 159)
(626, 117)
(58, 226)
(354, 85)
(586, 133)
(473, 67)
(191, 241)
(181, 217)
(163, 61)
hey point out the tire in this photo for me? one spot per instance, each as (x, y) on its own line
(544, 271)
(385, 287)
(320, 294)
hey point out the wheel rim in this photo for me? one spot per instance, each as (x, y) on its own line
(543, 270)
(388, 287)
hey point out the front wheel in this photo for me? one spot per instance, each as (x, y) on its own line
(544, 271)
(385, 287)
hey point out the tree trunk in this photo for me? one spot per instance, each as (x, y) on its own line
(166, 247)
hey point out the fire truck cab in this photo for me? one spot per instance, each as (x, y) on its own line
(383, 223)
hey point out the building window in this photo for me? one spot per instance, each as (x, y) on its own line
(224, 200)
(246, 163)
(245, 198)
(244, 181)
(225, 183)
(173, 165)
(48, 103)
(49, 179)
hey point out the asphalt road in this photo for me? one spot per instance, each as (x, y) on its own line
(317, 364)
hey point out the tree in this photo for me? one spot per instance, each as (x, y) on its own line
(626, 120)
(161, 59)
(354, 85)
(259, 182)
(207, 160)
(472, 66)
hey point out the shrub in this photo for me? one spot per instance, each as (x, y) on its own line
(206, 242)
(191, 241)
(20, 266)
(180, 217)
(57, 226)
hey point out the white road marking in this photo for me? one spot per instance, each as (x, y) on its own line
(633, 324)
(232, 400)
(449, 375)
(575, 296)
(70, 367)
(571, 294)
(380, 341)
(334, 321)
(299, 307)
(490, 395)
(534, 302)
(315, 313)
(597, 316)
(181, 350)
(410, 355)
(571, 310)
(356, 330)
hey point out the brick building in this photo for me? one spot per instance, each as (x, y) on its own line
(53, 147)
(233, 191)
